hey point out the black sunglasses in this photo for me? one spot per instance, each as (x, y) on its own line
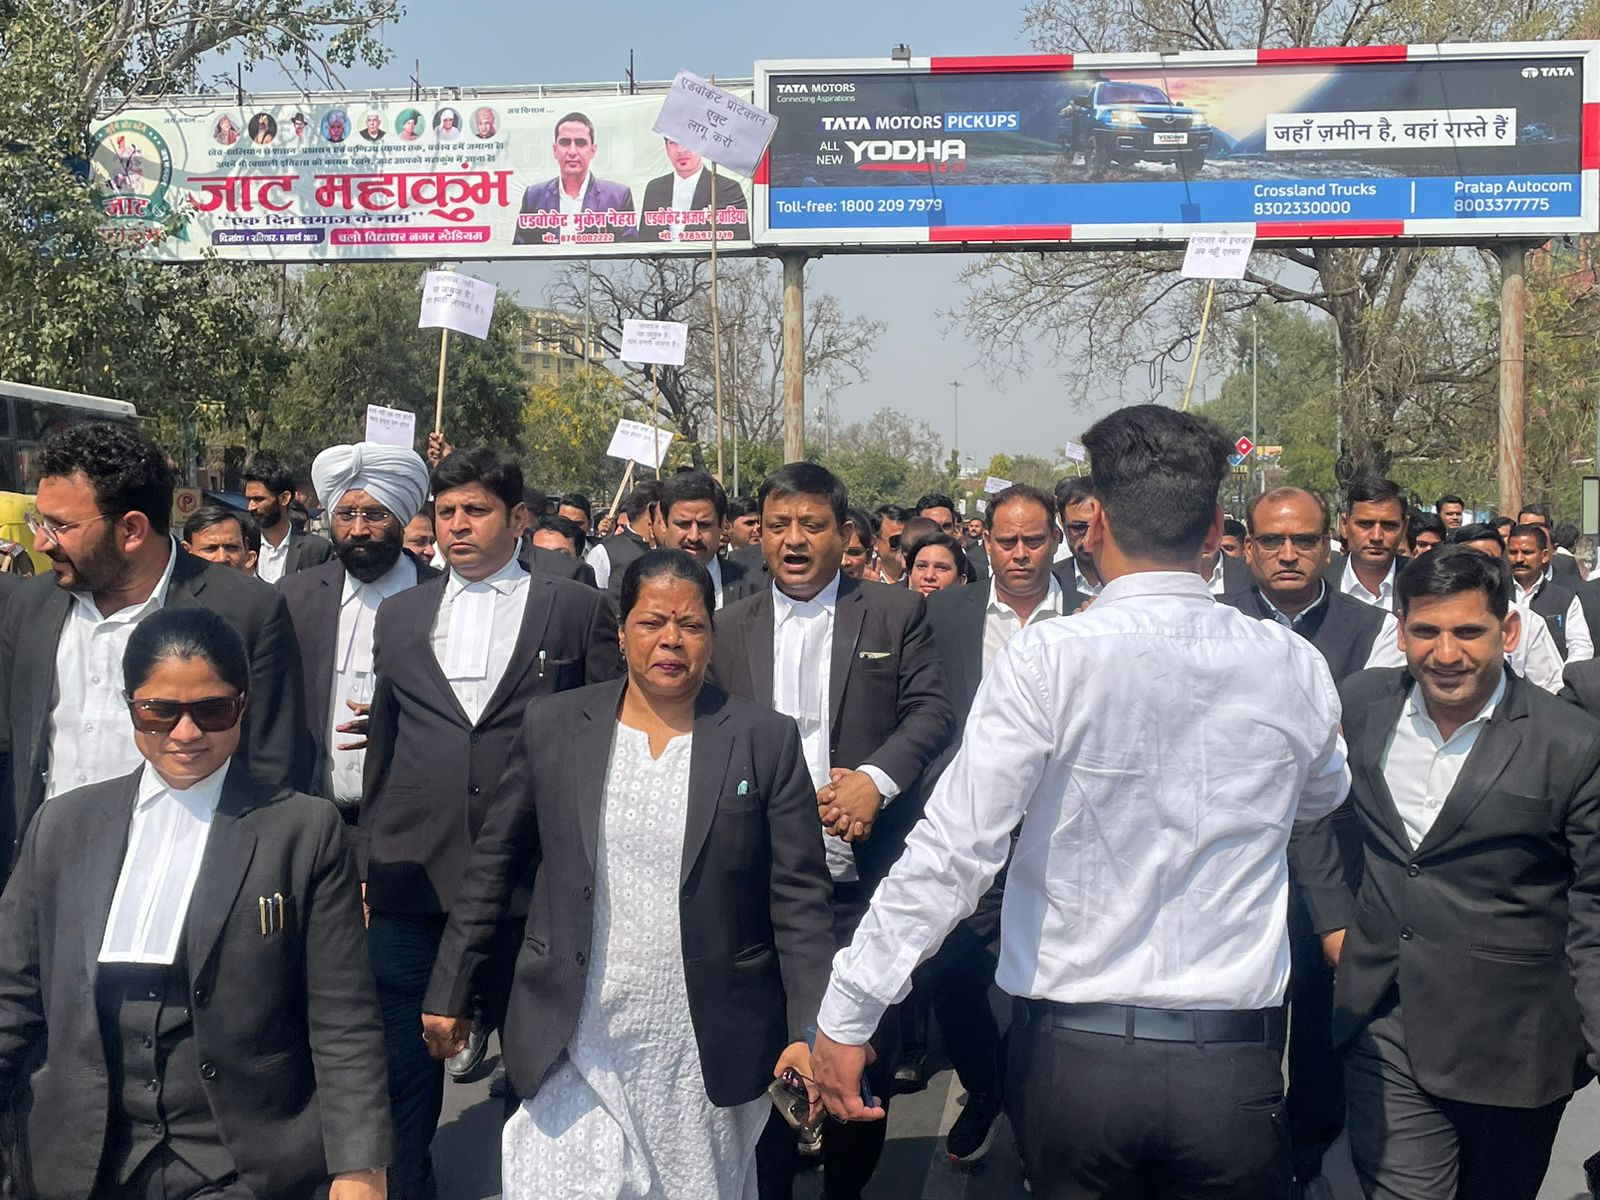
(211, 715)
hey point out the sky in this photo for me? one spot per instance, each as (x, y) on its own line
(501, 42)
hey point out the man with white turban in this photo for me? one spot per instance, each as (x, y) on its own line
(371, 491)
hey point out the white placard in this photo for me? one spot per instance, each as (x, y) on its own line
(637, 442)
(995, 484)
(457, 302)
(663, 342)
(1217, 255)
(715, 123)
(391, 426)
(1076, 451)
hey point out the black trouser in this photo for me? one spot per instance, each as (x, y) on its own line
(1106, 1116)
(850, 1150)
(402, 949)
(955, 984)
(165, 1176)
(1315, 1103)
(1409, 1145)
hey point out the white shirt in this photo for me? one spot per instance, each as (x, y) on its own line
(600, 560)
(1352, 586)
(1420, 766)
(714, 568)
(1580, 642)
(476, 632)
(1156, 798)
(1217, 576)
(1537, 658)
(91, 737)
(1001, 622)
(683, 196)
(352, 667)
(271, 561)
(1385, 650)
(166, 845)
(570, 206)
(1082, 585)
(802, 669)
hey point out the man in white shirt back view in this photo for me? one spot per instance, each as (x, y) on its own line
(1143, 931)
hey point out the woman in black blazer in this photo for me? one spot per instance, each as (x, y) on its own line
(679, 937)
(185, 1003)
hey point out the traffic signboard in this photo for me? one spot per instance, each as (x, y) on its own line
(1244, 445)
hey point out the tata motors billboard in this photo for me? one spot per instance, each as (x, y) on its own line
(1449, 142)
(503, 174)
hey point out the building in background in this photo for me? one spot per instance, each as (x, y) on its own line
(554, 347)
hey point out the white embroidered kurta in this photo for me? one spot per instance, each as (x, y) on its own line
(625, 1116)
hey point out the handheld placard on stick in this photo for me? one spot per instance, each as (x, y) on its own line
(438, 400)
(655, 421)
(622, 488)
(1199, 344)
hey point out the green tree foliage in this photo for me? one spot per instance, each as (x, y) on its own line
(359, 344)
(888, 459)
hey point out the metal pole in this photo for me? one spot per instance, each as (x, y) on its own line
(1255, 411)
(794, 354)
(1513, 312)
(955, 422)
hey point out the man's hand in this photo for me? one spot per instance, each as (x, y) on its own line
(838, 1069)
(438, 449)
(366, 910)
(358, 727)
(1332, 947)
(798, 1056)
(446, 1036)
(360, 1185)
(849, 805)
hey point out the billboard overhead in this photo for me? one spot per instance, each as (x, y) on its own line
(502, 174)
(1449, 142)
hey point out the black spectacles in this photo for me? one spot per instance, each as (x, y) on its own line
(1273, 542)
(372, 516)
(211, 715)
(1077, 528)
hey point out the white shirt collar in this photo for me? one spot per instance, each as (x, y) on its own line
(135, 612)
(784, 605)
(1285, 618)
(1155, 583)
(1053, 599)
(1349, 581)
(1417, 706)
(200, 797)
(399, 577)
(504, 581)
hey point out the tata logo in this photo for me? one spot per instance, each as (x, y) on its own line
(1549, 72)
(908, 150)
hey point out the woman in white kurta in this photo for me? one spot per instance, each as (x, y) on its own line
(623, 1110)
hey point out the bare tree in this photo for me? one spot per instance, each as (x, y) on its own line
(1400, 364)
(751, 339)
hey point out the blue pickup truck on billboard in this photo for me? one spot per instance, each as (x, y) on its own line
(1448, 143)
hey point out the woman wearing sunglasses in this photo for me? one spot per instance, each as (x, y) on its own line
(679, 935)
(185, 1004)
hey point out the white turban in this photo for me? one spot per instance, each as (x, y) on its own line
(394, 476)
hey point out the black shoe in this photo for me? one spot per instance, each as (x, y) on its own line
(497, 1083)
(911, 1074)
(971, 1136)
(461, 1066)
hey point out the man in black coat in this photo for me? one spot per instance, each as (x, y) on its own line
(970, 626)
(457, 660)
(104, 507)
(611, 555)
(1286, 551)
(1468, 987)
(285, 548)
(694, 511)
(856, 665)
(372, 491)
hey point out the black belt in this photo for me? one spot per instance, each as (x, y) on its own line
(1165, 1024)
